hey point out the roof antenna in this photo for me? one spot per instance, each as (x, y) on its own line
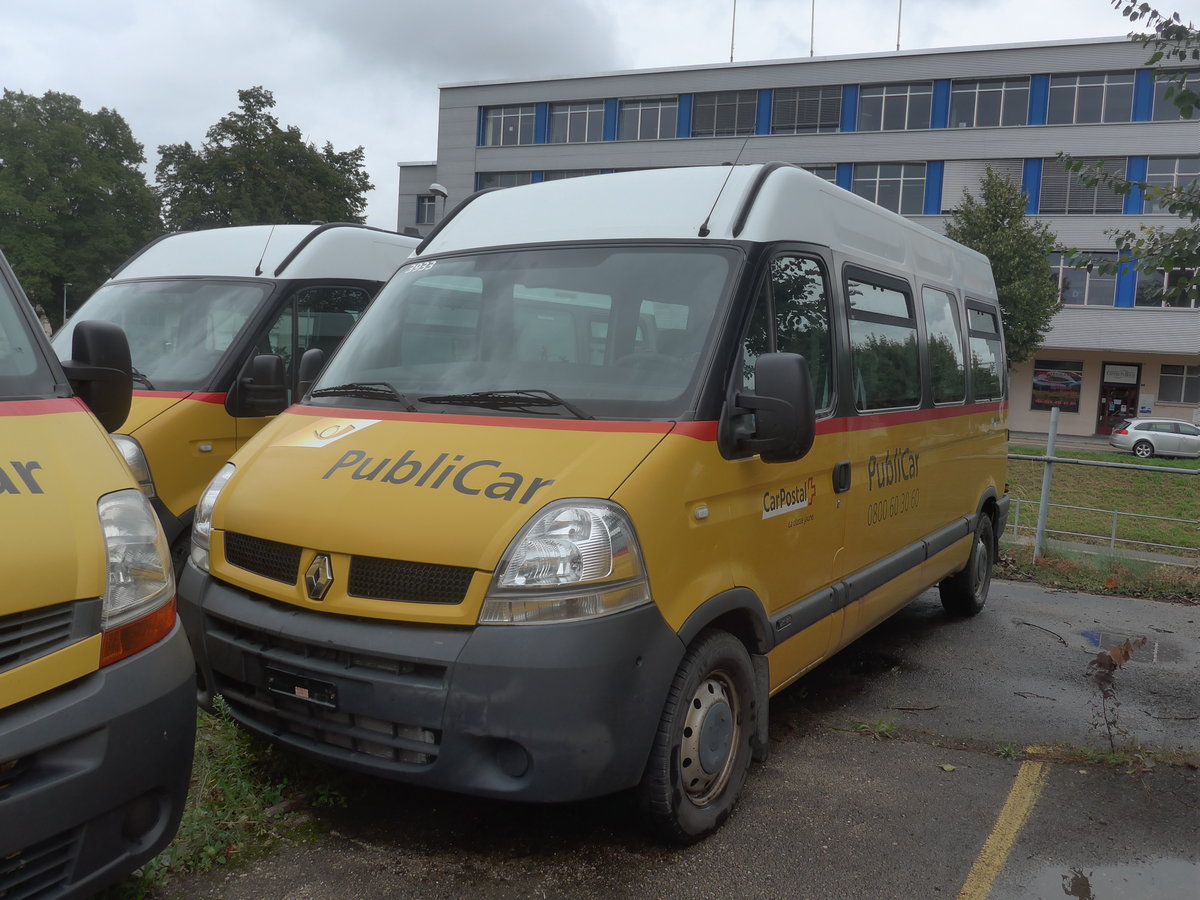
(704, 229)
(258, 270)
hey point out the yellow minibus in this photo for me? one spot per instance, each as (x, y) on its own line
(197, 306)
(608, 463)
(97, 682)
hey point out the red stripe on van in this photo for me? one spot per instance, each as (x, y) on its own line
(489, 421)
(203, 397)
(41, 407)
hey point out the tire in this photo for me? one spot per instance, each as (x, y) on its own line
(1143, 450)
(965, 593)
(702, 749)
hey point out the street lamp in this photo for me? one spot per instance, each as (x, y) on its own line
(66, 284)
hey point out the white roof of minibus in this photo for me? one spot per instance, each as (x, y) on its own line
(258, 250)
(791, 205)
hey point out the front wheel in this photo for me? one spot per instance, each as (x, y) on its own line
(702, 751)
(1143, 450)
(965, 593)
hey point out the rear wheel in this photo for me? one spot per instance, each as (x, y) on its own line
(702, 750)
(965, 593)
(1143, 449)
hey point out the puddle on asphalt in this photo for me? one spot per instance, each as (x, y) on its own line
(1154, 652)
(1146, 880)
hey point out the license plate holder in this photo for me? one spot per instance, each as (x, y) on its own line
(302, 687)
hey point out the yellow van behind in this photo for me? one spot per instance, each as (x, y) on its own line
(608, 463)
(196, 307)
(97, 691)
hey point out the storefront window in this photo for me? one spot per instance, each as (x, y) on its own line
(1056, 384)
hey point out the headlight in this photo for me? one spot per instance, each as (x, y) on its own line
(577, 559)
(135, 458)
(202, 523)
(136, 609)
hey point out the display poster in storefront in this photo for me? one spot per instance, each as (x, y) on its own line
(1057, 384)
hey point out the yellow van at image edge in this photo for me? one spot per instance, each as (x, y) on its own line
(94, 759)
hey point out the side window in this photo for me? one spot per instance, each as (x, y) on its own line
(947, 369)
(316, 317)
(987, 360)
(791, 315)
(884, 355)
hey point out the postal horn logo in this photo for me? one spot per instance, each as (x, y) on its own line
(318, 577)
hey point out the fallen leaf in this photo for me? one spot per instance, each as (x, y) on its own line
(946, 767)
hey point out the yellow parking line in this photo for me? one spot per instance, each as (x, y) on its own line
(1023, 796)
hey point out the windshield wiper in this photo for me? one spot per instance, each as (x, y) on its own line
(140, 378)
(371, 390)
(517, 400)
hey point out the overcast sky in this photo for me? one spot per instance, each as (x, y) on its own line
(366, 72)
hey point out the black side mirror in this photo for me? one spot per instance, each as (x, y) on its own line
(785, 416)
(100, 371)
(311, 364)
(261, 389)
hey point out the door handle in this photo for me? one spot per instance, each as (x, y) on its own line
(841, 477)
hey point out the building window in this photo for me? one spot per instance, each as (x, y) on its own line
(1165, 109)
(506, 126)
(1057, 384)
(895, 107)
(814, 110)
(1079, 99)
(981, 104)
(1179, 384)
(426, 209)
(899, 187)
(502, 179)
(1152, 289)
(1064, 194)
(561, 174)
(647, 119)
(577, 123)
(1078, 286)
(724, 113)
(1170, 172)
(827, 171)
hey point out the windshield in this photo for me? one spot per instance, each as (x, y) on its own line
(591, 331)
(23, 370)
(178, 330)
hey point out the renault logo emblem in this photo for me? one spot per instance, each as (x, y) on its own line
(318, 577)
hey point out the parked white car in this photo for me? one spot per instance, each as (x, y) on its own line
(1145, 438)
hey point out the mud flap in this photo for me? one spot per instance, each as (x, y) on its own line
(759, 740)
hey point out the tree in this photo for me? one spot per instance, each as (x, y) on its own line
(73, 202)
(1158, 249)
(249, 171)
(1019, 250)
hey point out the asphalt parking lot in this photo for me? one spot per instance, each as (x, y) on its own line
(934, 758)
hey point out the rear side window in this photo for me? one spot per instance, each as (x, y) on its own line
(884, 352)
(987, 356)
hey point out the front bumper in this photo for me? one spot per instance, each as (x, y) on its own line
(95, 774)
(541, 713)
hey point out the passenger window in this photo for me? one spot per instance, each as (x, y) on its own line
(883, 345)
(796, 299)
(987, 362)
(947, 370)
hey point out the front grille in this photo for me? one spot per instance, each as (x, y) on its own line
(394, 579)
(371, 577)
(243, 684)
(26, 636)
(41, 870)
(270, 559)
